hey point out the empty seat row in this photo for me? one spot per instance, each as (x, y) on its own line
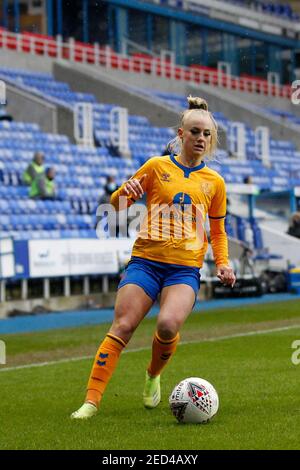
(47, 222)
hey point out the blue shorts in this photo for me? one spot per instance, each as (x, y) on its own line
(153, 276)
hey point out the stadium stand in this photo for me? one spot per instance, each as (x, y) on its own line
(281, 115)
(81, 172)
(98, 88)
(282, 152)
(140, 63)
(281, 10)
(283, 174)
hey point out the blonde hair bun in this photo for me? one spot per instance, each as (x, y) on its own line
(197, 103)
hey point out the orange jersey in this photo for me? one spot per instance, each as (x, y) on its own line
(178, 201)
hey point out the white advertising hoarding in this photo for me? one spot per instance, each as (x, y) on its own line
(48, 258)
(7, 258)
(7, 265)
(123, 246)
(92, 257)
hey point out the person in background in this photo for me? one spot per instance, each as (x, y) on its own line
(248, 180)
(250, 198)
(34, 169)
(110, 187)
(43, 186)
(294, 227)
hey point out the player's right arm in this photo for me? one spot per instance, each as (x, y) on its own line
(128, 193)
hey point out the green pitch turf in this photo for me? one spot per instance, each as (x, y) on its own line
(257, 382)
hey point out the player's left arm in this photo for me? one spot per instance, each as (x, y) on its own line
(219, 243)
(218, 236)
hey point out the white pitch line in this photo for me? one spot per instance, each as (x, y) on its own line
(205, 340)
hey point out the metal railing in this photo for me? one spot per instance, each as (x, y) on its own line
(137, 63)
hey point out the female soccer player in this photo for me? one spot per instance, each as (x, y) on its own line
(181, 191)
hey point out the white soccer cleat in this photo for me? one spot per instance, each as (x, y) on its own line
(86, 411)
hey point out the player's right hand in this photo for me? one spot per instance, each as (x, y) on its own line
(133, 187)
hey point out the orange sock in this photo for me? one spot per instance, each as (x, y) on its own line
(162, 351)
(104, 365)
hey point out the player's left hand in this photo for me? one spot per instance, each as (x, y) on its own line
(226, 275)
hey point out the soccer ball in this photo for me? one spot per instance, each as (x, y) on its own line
(194, 400)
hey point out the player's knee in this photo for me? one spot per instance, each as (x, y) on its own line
(123, 328)
(167, 329)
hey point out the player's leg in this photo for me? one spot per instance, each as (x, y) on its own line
(132, 304)
(176, 304)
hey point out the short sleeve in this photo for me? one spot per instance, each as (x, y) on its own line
(217, 208)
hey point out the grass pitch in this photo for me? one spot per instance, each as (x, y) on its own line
(244, 352)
